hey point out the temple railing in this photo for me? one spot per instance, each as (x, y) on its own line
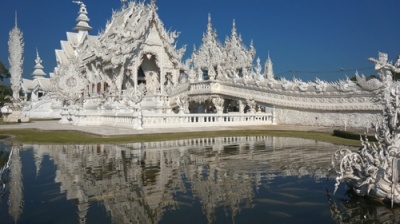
(136, 120)
(83, 118)
(205, 120)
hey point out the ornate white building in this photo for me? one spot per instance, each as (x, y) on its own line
(132, 75)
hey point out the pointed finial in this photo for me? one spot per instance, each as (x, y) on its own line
(234, 30)
(38, 72)
(16, 18)
(209, 26)
(82, 19)
(153, 4)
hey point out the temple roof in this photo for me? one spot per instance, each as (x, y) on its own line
(211, 50)
(133, 26)
(28, 85)
(38, 72)
(233, 55)
(237, 55)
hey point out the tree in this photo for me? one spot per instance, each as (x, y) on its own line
(4, 73)
(5, 90)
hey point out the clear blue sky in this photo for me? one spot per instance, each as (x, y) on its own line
(301, 35)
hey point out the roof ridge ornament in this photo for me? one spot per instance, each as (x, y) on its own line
(153, 5)
(234, 29)
(82, 19)
(38, 72)
(16, 18)
(209, 24)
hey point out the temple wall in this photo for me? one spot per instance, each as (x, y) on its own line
(357, 119)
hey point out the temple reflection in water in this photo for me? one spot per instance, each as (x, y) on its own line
(140, 182)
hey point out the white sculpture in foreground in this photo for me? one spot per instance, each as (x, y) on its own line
(16, 50)
(12, 111)
(374, 170)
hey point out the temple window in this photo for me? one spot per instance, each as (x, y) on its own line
(98, 87)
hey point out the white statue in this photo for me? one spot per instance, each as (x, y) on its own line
(16, 50)
(374, 170)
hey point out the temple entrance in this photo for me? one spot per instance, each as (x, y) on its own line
(148, 77)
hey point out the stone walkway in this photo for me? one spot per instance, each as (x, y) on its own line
(117, 131)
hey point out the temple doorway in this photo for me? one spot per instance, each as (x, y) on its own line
(149, 75)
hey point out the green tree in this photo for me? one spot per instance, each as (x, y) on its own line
(5, 90)
(4, 73)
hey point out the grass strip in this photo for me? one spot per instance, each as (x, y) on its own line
(73, 137)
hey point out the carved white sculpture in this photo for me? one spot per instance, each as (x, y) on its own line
(68, 83)
(373, 171)
(219, 104)
(16, 50)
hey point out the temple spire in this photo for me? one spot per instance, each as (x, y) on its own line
(38, 72)
(16, 18)
(209, 24)
(16, 51)
(82, 19)
(269, 71)
(234, 30)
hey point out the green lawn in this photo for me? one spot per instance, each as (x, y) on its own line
(71, 137)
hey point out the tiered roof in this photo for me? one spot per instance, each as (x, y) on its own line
(39, 78)
(38, 72)
(211, 50)
(129, 28)
(233, 56)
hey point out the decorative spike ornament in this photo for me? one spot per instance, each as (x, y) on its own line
(16, 49)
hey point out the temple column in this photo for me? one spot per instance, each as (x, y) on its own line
(90, 88)
(162, 75)
(133, 70)
(273, 115)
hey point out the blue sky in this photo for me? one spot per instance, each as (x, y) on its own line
(311, 38)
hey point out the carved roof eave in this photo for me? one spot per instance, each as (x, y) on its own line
(168, 40)
(89, 59)
(148, 18)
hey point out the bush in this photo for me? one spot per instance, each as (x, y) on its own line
(351, 135)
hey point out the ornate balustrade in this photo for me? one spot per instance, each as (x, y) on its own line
(98, 117)
(137, 120)
(197, 120)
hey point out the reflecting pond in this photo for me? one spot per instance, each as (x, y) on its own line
(208, 180)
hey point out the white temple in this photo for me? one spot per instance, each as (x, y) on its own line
(132, 75)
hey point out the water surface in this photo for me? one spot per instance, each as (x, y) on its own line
(210, 180)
